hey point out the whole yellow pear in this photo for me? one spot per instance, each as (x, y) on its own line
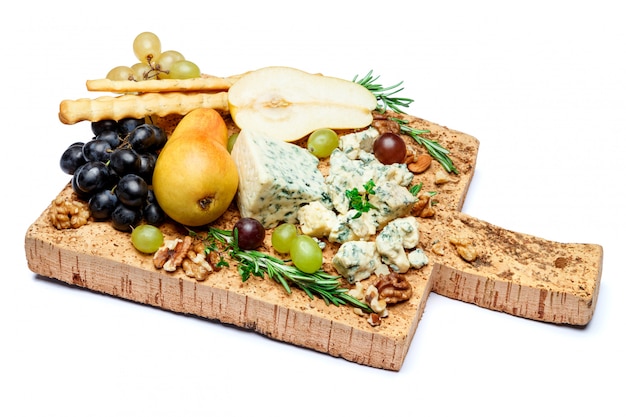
(195, 179)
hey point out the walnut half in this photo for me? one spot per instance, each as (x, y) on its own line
(68, 213)
(393, 288)
(196, 264)
(465, 248)
(170, 256)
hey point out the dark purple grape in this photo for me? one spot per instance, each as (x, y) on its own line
(102, 204)
(153, 214)
(250, 233)
(72, 158)
(124, 161)
(142, 138)
(103, 125)
(81, 194)
(91, 177)
(151, 198)
(111, 137)
(124, 218)
(146, 166)
(389, 148)
(132, 190)
(127, 125)
(160, 138)
(97, 150)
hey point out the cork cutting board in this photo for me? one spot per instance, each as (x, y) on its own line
(519, 274)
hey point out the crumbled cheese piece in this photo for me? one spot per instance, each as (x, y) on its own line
(391, 201)
(353, 144)
(356, 260)
(316, 220)
(418, 259)
(389, 246)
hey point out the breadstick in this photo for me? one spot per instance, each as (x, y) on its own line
(138, 105)
(156, 86)
(204, 83)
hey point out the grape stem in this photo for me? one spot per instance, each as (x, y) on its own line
(255, 263)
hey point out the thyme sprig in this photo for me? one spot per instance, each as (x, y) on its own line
(255, 263)
(384, 94)
(433, 147)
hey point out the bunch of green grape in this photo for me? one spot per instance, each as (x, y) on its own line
(153, 63)
(304, 251)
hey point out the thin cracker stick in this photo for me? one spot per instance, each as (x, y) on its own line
(204, 83)
(139, 105)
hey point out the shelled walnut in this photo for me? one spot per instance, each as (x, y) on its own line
(68, 212)
(383, 124)
(465, 248)
(393, 288)
(423, 207)
(172, 253)
(196, 265)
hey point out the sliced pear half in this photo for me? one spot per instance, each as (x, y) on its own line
(287, 104)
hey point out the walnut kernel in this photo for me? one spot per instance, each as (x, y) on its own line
(196, 265)
(394, 288)
(68, 212)
(373, 299)
(385, 125)
(172, 253)
(423, 207)
(465, 248)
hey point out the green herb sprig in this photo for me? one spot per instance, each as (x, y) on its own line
(386, 101)
(433, 147)
(255, 263)
(361, 202)
(384, 94)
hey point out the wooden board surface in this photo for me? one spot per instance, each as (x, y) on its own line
(515, 273)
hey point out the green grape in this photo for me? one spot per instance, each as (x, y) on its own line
(306, 254)
(164, 62)
(147, 47)
(322, 142)
(146, 238)
(142, 71)
(184, 69)
(283, 236)
(120, 73)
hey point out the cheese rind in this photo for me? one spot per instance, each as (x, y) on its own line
(275, 178)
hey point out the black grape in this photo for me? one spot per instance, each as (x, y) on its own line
(72, 158)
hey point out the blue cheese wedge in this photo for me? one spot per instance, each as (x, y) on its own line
(275, 178)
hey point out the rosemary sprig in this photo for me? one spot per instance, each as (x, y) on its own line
(385, 101)
(384, 94)
(433, 147)
(260, 264)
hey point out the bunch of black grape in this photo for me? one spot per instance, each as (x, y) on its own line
(113, 171)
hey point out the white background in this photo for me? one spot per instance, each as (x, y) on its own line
(540, 84)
